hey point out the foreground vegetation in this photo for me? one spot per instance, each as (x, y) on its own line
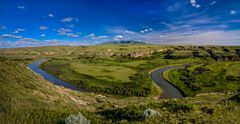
(28, 98)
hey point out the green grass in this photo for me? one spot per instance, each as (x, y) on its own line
(212, 77)
(27, 98)
(103, 71)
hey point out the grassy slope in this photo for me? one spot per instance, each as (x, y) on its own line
(26, 97)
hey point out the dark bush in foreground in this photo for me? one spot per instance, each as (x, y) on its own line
(130, 113)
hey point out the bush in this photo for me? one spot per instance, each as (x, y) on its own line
(76, 119)
(129, 113)
(150, 113)
(232, 78)
(235, 98)
(207, 110)
(173, 106)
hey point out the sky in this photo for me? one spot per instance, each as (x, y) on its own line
(25, 23)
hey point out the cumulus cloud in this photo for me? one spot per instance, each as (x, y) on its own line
(21, 7)
(2, 27)
(19, 30)
(43, 28)
(50, 15)
(146, 30)
(195, 4)
(233, 12)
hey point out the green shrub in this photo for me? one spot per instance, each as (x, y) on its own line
(76, 119)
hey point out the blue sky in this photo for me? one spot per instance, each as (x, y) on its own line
(87, 22)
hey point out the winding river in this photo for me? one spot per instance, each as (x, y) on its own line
(35, 68)
(169, 91)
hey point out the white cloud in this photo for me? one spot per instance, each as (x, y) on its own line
(2, 27)
(69, 19)
(96, 38)
(210, 37)
(213, 2)
(99, 37)
(19, 30)
(67, 32)
(194, 4)
(21, 7)
(119, 37)
(129, 32)
(119, 30)
(146, 30)
(63, 31)
(43, 35)
(233, 12)
(72, 35)
(50, 15)
(91, 35)
(6, 36)
(43, 28)
(27, 40)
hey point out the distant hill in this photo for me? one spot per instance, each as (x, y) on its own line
(125, 42)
